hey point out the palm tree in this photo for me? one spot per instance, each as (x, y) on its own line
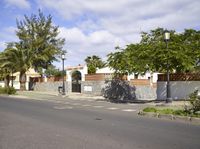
(5, 68)
(5, 75)
(38, 46)
(94, 62)
(17, 59)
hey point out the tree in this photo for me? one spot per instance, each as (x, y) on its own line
(6, 67)
(18, 59)
(38, 34)
(52, 71)
(38, 44)
(191, 39)
(5, 75)
(151, 54)
(94, 62)
(130, 60)
(179, 55)
(118, 61)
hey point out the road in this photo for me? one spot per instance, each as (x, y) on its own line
(85, 124)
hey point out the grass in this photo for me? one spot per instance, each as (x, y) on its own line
(179, 112)
(7, 90)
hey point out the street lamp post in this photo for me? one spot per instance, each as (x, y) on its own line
(168, 92)
(63, 87)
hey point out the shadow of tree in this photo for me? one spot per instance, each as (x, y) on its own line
(119, 91)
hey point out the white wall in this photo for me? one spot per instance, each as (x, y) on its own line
(83, 71)
(179, 89)
(105, 70)
(2, 84)
(146, 76)
(16, 83)
(69, 77)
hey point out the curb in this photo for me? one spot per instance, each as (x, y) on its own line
(172, 117)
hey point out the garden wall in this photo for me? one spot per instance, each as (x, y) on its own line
(143, 92)
(49, 86)
(181, 85)
(94, 88)
(179, 89)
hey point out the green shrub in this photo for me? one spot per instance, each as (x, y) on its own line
(180, 112)
(150, 109)
(7, 90)
(166, 111)
(194, 102)
(1, 90)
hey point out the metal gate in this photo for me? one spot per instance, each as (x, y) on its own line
(76, 81)
(76, 86)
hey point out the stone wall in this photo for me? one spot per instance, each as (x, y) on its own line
(145, 92)
(49, 86)
(179, 89)
(94, 88)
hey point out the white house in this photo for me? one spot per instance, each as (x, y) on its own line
(84, 70)
(30, 75)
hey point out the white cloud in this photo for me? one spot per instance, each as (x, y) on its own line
(79, 45)
(101, 37)
(2, 45)
(10, 29)
(89, 25)
(102, 25)
(72, 35)
(7, 35)
(97, 26)
(23, 4)
(123, 17)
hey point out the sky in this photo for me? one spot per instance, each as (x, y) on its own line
(96, 27)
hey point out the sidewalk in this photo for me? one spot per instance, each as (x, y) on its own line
(43, 94)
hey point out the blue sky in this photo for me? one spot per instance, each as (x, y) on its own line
(97, 26)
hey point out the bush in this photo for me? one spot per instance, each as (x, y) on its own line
(150, 109)
(7, 90)
(194, 102)
(166, 111)
(180, 112)
(118, 91)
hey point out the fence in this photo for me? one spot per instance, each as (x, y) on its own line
(181, 85)
(54, 79)
(48, 79)
(102, 77)
(139, 82)
(180, 77)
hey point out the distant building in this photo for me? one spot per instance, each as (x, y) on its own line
(30, 76)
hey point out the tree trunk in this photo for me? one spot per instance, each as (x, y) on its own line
(7, 80)
(22, 80)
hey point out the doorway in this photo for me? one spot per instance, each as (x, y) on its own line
(76, 81)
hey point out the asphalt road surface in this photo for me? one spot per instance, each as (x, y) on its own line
(31, 124)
